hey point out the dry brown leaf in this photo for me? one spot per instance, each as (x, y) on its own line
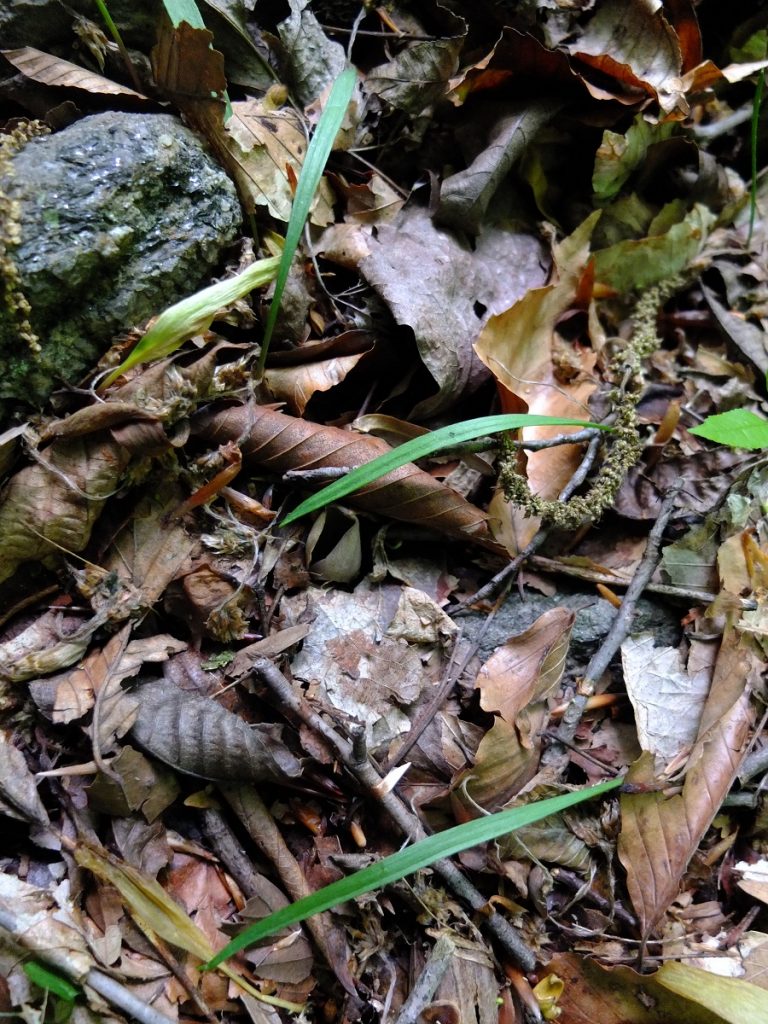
(660, 834)
(57, 500)
(262, 147)
(197, 736)
(515, 681)
(18, 791)
(295, 385)
(519, 348)
(63, 74)
(281, 442)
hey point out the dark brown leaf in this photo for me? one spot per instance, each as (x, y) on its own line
(281, 442)
(197, 736)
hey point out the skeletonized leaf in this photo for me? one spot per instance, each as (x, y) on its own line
(197, 736)
(659, 834)
(281, 442)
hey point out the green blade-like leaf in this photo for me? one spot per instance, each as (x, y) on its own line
(50, 981)
(420, 447)
(405, 862)
(309, 178)
(738, 428)
(194, 315)
(183, 10)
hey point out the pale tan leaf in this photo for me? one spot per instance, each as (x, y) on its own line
(281, 442)
(519, 348)
(660, 834)
(18, 791)
(63, 74)
(50, 644)
(295, 385)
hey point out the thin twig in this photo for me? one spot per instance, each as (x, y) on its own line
(617, 634)
(420, 995)
(408, 823)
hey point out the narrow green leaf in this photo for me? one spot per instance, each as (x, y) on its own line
(193, 315)
(50, 982)
(420, 447)
(184, 10)
(738, 428)
(405, 862)
(309, 178)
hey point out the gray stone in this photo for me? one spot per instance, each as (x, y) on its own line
(120, 216)
(594, 617)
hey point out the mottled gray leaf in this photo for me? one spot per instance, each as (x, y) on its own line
(197, 736)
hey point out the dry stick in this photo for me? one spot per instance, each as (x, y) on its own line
(420, 995)
(558, 753)
(493, 585)
(409, 824)
(111, 990)
(260, 825)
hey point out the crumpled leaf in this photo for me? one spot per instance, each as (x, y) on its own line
(63, 74)
(748, 338)
(643, 262)
(515, 682)
(18, 791)
(286, 958)
(45, 923)
(50, 644)
(281, 442)
(668, 696)
(660, 834)
(314, 61)
(355, 667)
(519, 347)
(58, 500)
(636, 52)
(295, 375)
(618, 156)
(342, 563)
(465, 196)
(417, 76)
(433, 283)
(197, 736)
(265, 148)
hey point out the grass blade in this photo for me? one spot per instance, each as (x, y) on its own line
(405, 862)
(309, 178)
(420, 447)
(193, 315)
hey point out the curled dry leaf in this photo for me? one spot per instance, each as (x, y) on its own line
(281, 442)
(18, 791)
(197, 736)
(57, 500)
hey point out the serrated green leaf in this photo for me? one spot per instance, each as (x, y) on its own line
(421, 447)
(738, 428)
(405, 862)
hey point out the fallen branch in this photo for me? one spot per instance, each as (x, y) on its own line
(359, 765)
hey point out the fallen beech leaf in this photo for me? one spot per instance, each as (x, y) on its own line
(63, 74)
(281, 442)
(660, 834)
(197, 736)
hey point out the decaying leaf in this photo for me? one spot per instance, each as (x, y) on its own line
(197, 736)
(63, 74)
(18, 791)
(660, 834)
(515, 681)
(53, 642)
(281, 442)
(57, 500)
